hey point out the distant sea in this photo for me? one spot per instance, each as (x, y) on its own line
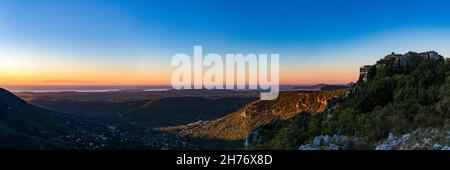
(54, 88)
(86, 88)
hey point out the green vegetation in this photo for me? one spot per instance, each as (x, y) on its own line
(239, 124)
(394, 99)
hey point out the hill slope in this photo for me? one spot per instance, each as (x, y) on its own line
(237, 125)
(405, 98)
(24, 126)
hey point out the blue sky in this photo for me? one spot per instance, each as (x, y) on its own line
(312, 37)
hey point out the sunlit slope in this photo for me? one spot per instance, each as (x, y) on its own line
(239, 124)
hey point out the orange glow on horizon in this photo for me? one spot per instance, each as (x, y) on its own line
(329, 76)
(85, 78)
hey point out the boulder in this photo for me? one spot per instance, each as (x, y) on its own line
(384, 146)
(317, 140)
(405, 137)
(326, 139)
(308, 147)
(391, 137)
(339, 138)
(437, 146)
(333, 147)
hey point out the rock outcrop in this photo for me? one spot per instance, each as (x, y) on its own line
(238, 125)
(335, 142)
(429, 139)
(399, 61)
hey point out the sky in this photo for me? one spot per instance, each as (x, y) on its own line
(114, 42)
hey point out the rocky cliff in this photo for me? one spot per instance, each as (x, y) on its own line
(239, 124)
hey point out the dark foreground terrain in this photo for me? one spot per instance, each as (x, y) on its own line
(72, 120)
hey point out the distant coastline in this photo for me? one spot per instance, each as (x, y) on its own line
(116, 88)
(81, 88)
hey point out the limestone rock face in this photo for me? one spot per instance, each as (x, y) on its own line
(400, 61)
(239, 125)
(335, 142)
(429, 139)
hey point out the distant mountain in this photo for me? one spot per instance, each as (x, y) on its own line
(315, 87)
(239, 124)
(336, 87)
(128, 95)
